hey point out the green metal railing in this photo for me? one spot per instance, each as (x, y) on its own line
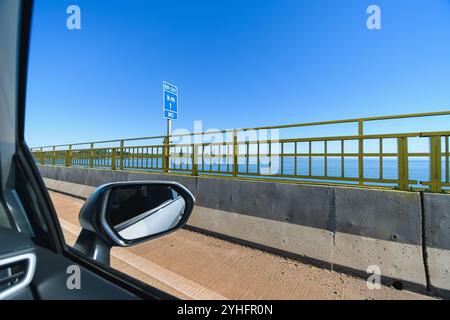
(254, 158)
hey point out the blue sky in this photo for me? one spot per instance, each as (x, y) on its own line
(236, 63)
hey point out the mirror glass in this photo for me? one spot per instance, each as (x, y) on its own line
(139, 211)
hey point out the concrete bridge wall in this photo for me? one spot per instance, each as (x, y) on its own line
(405, 234)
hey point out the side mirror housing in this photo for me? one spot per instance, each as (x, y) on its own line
(128, 213)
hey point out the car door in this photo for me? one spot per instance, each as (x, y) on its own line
(35, 263)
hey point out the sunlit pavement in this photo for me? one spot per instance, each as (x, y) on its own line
(191, 265)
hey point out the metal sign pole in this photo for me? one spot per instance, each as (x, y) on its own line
(167, 146)
(169, 128)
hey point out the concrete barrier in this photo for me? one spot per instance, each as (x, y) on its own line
(347, 229)
(381, 228)
(436, 208)
(73, 189)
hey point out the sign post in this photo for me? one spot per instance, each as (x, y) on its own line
(170, 112)
(170, 104)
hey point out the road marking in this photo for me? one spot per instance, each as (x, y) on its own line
(169, 278)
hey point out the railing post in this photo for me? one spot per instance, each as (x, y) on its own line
(435, 164)
(54, 156)
(69, 156)
(235, 154)
(42, 157)
(361, 152)
(91, 156)
(402, 156)
(166, 154)
(195, 159)
(113, 159)
(122, 145)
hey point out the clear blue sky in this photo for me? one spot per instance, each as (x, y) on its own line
(237, 64)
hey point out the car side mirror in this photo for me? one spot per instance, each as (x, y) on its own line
(128, 213)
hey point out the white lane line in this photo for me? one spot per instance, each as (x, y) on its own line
(188, 287)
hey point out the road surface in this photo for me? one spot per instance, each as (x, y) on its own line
(191, 265)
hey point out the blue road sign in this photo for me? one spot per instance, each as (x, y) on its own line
(170, 101)
(170, 115)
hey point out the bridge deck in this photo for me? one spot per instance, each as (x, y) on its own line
(190, 265)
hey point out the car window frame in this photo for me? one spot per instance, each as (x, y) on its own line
(25, 160)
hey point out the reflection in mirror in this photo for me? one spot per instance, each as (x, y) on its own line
(138, 211)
